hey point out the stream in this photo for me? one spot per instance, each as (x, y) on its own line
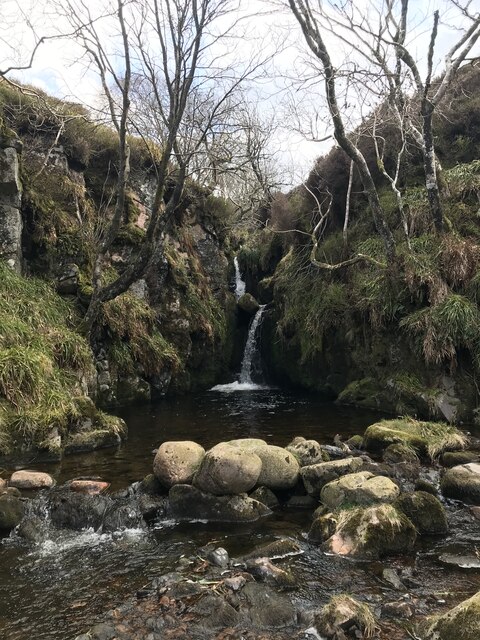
(59, 588)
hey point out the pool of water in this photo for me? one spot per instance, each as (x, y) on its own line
(56, 590)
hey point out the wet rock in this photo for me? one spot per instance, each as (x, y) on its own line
(461, 621)
(307, 451)
(455, 458)
(70, 510)
(316, 476)
(31, 480)
(403, 610)
(102, 631)
(92, 440)
(279, 468)
(425, 511)
(177, 462)
(391, 576)
(462, 483)
(372, 532)
(189, 503)
(323, 527)
(215, 612)
(219, 557)
(266, 496)
(150, 485)
(462, 561)
(235, 583)
(122, 515)
(301, 502)
(227, 469)
(248, 304)
(358, 488)
(90, 487)
(11, 512)
(345, 617)
(32, 529)
(266, 608)
(263, 569)
(276, 550)
(152, 507)
(426, 486)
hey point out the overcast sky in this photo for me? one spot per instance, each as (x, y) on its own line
(56, 68)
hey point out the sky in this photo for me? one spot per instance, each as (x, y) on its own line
(59, 69)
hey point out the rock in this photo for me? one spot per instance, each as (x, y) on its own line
(11, 224)
(122, 514)
(235, 583)
(3, 485)
(219, 557)
(391, 576)
(266, 608)
(70, 510)
(425, 485)
(463, 621)
(68, 280)
(247, 444)
(430, 438)
(301, 502)
(307, 451)
(323, 527)
(355, 442)
(403, 610)
(150, 485)
(455, 458)
(11, 512)
(248, 304)
(425, 511)
(32, 529)
(266, 496)
(462, 483)
(189, 503)
(227, 470)
(215, 612)
(279, 468)
(462, 561)
(102, 631)
(372, 532)
(316, 476)
(344, 616)
(358, 488)
(276, 550)
(266, 571)
(92, 440)
(177, 462)
(31, 480)
(90, 487)
(399, 452)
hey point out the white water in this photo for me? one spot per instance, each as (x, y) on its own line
(239, 283)
(245, 382)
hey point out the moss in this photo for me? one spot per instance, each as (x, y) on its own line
(400, 452)
(130, 234)
(342, 612)
(454, 458)
(425, 511)
(430, 438)
(464, 618)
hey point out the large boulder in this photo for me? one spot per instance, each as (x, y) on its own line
(280, 468)
(226, 470)
(372, 532)
(426, 438)
(248, 304)
(425, 511)
(11, 511)
(462, 622)
(307, 451)
(189, 503)
(177, 462)
(359, 488)
(316, 476)
(463, 483)
(25, 479)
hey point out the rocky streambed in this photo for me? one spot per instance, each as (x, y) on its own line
(377, 536)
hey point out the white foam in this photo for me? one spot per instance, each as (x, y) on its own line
(239, 386)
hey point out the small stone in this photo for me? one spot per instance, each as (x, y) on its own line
(31, 480)
(235, 583)
(219, 557)
(404, 610)
(89, 487)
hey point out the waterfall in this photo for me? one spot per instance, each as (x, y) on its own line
(239, 283)
(245, 382)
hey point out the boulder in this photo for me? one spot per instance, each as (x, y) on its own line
(345, 617)
(266, 608)
(426, 438)
(359, 488)
(265, 495)
(316, 476)
(122, 514)
(462, 483)
(247, 444)
(277, 550)
(70, 510)
(227, 470)
(455, 458)
(189, 503)
(248, 304)
(425, 511)
(307, 452)
(399, 452)
(90, 487)
(177, 462)
(11, 511)
(31, 480)
(265, 571)
(372, 532)
(463, 621)
(279, 467)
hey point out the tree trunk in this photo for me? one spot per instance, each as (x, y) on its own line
(430, 165)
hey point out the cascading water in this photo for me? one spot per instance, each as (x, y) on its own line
(239, 283)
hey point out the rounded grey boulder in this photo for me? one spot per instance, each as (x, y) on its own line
(227, 470)
(177, 462)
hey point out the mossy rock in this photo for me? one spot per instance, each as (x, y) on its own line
(462, 483)
(248, 304)
(92, 440)
(372, 532)
(454, 458)
(355, 442)
(399, 452)
(426, 438)
(344, 612)
(358, 488)
(425, 511)
(462, 622)
(367, 392)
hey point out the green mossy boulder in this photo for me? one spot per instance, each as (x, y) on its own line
(372, 532)
(462, 622)
(345, 614)
(307, 451)
(455, 458)
(425, 511)
(248, 304)
(426, 438)
(316, 476)
(11, 512)
(462, 483)
(399, 452)
(360, 488)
